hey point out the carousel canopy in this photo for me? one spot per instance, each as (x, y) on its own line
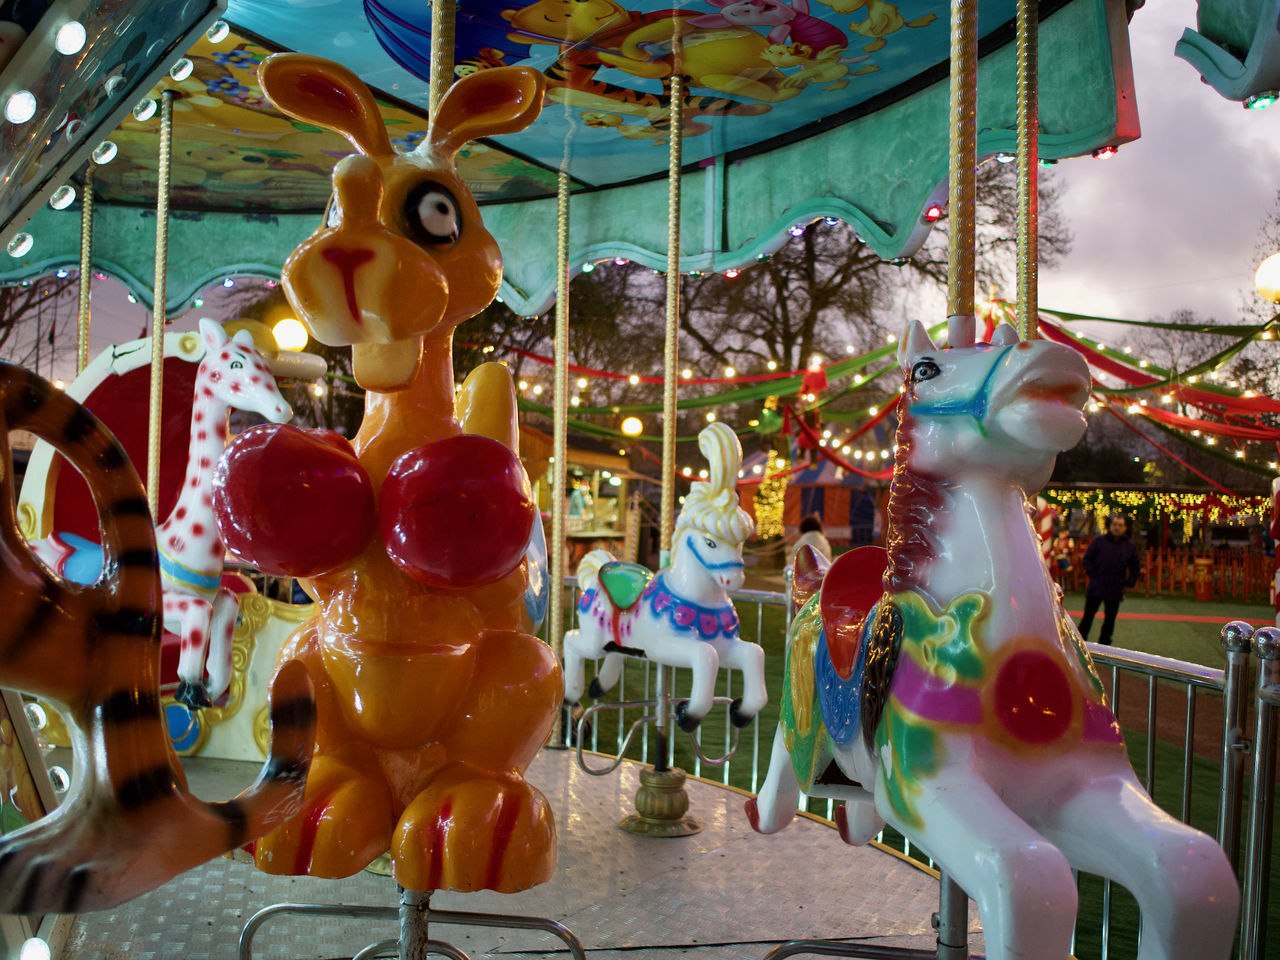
(796, 112)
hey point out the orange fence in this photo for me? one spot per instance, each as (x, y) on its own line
(1233, 573)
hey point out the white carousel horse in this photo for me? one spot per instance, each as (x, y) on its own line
(197, 608)
(682, 616)
(955, 696)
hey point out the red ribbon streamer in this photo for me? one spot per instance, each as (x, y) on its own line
(1170, 453)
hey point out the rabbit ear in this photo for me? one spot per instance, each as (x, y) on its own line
(914, 342)
(487, 103)
(319, 91)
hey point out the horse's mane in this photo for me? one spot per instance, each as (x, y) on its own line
(712, 507)
(914, 503)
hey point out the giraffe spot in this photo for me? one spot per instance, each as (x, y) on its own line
(173, 541)
(182, 512)
(197, 636)
(255, 379)
(205, 462)
(199, 416)
(197, 529)
(195, 482)
(201, 435)
(206, 391)
(216, 548)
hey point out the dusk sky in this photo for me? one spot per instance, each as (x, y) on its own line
(1172, 219)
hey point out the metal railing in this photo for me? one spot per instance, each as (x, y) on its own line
(1209, 756)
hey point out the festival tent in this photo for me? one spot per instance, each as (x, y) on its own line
(847, 504)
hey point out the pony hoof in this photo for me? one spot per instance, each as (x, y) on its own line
(193, 696)
(594, 690)
(736, 716)
(685, 722)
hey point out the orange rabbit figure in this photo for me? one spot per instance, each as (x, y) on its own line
(432, 694)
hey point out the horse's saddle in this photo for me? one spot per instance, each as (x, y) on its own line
(624, 582)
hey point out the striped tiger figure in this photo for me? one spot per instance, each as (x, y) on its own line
(129, 823)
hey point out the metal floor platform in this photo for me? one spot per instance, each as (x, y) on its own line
(724, 894)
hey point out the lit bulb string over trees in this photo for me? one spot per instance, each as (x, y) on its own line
(1227, 412)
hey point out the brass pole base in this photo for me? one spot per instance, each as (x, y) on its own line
(661, 806)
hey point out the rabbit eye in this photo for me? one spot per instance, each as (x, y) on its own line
(432, 213)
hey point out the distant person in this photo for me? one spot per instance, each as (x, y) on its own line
(1111, 564)
(810, 535)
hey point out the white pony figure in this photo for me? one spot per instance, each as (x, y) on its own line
(682, 616)
(233, 374)
(956, 697)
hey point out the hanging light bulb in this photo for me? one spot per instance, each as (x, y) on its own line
(933, 213)
(20, 245)
(181, 69)
(731, 274)
(632, 426)
(633, 379)
(63, 197)
(1104, 153)
(104, 152)
(730, 372)
(711, 416)
(69, 40)
(588, 267)
(218, 32)
(144, 110)
(796, 231)
(290, 334)
(582, 383)
(20, 107)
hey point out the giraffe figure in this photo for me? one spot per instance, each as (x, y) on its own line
(197, 608)
(233, 374)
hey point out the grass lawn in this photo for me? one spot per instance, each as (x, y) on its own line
(1184, 637)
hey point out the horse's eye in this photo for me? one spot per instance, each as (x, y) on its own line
(924, 370)
(236, 365)
(432, 213)
(710, 543)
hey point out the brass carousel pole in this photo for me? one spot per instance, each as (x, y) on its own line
(560, 443)
(661, 801)
(1028, 166)
(961, 187)
(158, 303)
(415, 905)
(86, 272)
(953, 904)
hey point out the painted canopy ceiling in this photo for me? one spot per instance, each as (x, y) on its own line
(794, 111)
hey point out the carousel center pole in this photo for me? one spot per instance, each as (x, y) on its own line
(662, 801)
(158, 303)
(962, 182)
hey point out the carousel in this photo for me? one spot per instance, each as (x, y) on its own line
(422, 718)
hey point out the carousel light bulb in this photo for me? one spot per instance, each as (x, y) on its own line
(588, 267)
(871, 454)
(1260, 101)
(796, 231)
(711, 416)
(1142, 364)
(537, 389)
(1195, 433)
(523, 384)
(772, 364)
(20, 107)
(104, 152)
(289, 334)
(20, 245)
(615, 481)
(632, 426)
(197, 302)
(857, 454)
(730, 372)
(181, 69)
(633, 379)
(575, 401)
(759, 469)
(1193, 379)
(687, 373)
(848, 348)
(1134, 408)
(702, 474)
(63, 274)
(319, 390)
(826, 434)
(1004, 157)
(830, 221)
(34, 949)
(933, 213)
(884, 454)
(1167, 398)
(731, 274)
(63, 197)
(228, 283)
(891, 338)
(582, 383)
(620, 261)
(1128, 349)
(873, 410)
(69, 40)
(1104, 153)
(218, 32)
(857, 379)
(1239, 454)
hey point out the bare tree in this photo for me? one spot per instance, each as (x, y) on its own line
(30, 332)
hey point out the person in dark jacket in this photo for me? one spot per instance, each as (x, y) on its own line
(1111, 564)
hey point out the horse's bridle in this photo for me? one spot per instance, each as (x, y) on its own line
(723, 565)
(975, 406)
